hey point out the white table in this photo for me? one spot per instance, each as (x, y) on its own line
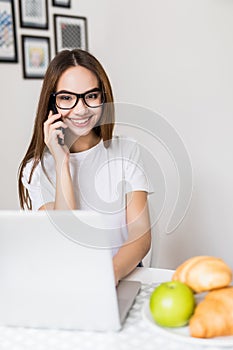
(136, 334)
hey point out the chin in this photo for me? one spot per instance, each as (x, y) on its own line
(80, 133)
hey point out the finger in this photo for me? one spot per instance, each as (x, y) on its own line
(52, 118)
(51, 112)
(52, 137)
(53, 124)
(57, 125)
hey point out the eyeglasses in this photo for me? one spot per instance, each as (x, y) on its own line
(68, 100)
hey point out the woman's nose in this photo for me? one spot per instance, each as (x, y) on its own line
(80, 107)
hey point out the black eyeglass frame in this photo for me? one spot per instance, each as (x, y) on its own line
(78, 96)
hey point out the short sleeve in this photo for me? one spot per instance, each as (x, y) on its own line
(136, 178)
(40, 192)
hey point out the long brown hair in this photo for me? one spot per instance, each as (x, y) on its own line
(60, 63)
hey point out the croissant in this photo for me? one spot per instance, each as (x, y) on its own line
(213, 316)
(203, 273)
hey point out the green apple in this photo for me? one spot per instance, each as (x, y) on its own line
(172, 304)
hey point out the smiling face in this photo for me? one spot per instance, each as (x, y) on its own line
(81, 119)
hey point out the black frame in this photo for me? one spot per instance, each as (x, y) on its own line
(28, 22)
(38, 72)
(69, 20)
(78, 96)
(66, 3)
(7, 57)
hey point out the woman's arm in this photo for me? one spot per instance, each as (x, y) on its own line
(139, 235)
(64, 196)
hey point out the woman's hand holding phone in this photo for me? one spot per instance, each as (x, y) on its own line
(55, 111)
(53, 132)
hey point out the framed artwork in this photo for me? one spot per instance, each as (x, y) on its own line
(70, 32)
(8, 44)
(62, 3)
(33, 14)
(36, 56)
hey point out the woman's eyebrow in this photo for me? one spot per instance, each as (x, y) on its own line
(86, 92)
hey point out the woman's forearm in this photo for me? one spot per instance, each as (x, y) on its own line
(130, 254)
(64, 198)
(139, 235)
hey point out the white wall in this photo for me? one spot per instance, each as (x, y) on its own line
(173, 57)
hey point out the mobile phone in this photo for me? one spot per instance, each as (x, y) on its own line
(53, 108)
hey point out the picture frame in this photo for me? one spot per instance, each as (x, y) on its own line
(8, 41)
(33, 14)
(62, 3)
(35, 56)
(70, 32)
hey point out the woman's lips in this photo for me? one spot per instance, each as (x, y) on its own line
(80, 122)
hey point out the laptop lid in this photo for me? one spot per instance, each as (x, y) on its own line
(56, 270)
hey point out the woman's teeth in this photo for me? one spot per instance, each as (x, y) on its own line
(80, 121)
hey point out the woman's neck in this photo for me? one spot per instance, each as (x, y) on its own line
(83, 143)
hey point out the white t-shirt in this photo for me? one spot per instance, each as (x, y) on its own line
(101, 178)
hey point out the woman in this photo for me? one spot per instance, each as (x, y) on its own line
(73, 161)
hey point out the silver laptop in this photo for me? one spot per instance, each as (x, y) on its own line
(56, 272)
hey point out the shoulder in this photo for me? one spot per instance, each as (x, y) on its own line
(27, 176)
(123, 139)
(36, 167)
(28, 168)
(123, 144)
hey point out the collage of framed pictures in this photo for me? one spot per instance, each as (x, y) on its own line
(69, 32)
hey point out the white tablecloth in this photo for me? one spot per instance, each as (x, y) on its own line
(135, 334)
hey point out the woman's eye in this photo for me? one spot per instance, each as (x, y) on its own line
(92, 96)
(65, 97)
